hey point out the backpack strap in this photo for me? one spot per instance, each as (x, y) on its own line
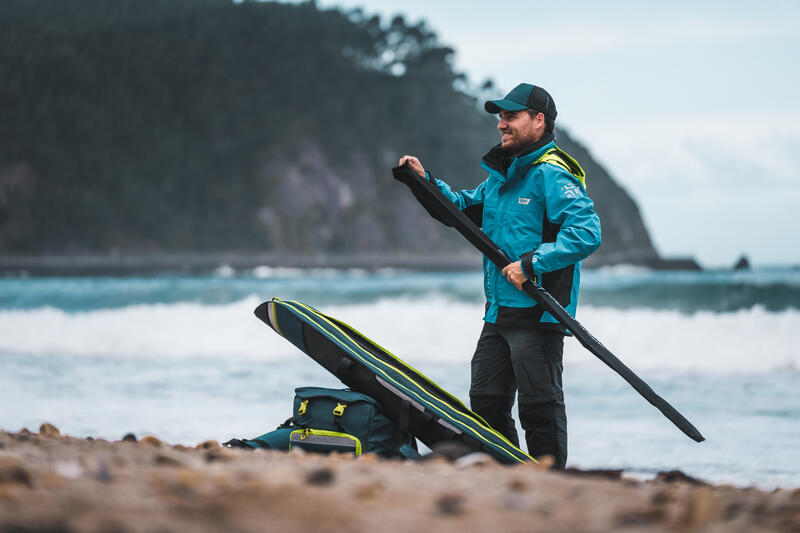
(237, 443)
(338, 411)
(409, 452)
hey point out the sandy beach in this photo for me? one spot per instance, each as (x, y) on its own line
(55, 483)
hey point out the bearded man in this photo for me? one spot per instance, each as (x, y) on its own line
(534, 206)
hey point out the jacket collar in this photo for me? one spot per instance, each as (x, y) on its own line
(511, 167)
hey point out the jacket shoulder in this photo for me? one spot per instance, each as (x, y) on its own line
(559, 161)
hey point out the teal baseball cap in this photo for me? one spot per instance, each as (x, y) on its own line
(524, 96)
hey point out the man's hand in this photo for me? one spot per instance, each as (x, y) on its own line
(414, 162)
(513, 273)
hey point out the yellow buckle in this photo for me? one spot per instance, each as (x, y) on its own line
(339, 410)
(302, 409)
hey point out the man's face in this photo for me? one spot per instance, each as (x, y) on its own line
(519, 129)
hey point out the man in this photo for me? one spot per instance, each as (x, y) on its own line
(534, 206)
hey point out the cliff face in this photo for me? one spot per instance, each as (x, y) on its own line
(211, 126)
(313, 204)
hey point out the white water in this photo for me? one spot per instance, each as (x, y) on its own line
(417, 330)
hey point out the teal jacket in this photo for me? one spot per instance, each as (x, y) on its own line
(535, 208)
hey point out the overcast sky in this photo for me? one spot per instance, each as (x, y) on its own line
(692, 106)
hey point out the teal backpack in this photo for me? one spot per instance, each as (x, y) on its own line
(325, 420)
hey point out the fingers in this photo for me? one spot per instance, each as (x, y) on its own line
(408, 158)
(513, 273)
(414, 163)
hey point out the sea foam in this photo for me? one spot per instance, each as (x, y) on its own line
(417, 330)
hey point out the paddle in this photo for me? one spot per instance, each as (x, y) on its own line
(442, 209)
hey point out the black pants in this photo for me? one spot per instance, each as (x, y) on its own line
(508, 359)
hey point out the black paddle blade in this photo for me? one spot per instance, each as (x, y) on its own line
(446, 212)
(604, 354)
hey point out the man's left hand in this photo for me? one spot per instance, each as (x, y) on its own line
(514, 275)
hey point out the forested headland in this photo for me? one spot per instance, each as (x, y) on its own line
(207, 126)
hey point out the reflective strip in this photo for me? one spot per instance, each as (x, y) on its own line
(449, 426)
(325, 438)
(400, 393)
(272, 318)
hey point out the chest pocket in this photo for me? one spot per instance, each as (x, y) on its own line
(523, 204)
(523, 217)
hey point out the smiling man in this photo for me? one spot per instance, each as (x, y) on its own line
(534, 206)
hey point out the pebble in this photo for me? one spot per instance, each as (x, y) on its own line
(475, 459)
(151, 440)
(103, 474)
(207, 445)
(518, 485)
(545, 462)
(166, 459)
(450, 450)
(69, 469)
(320, 476)
(702, 508)
(672, 476)
(515, 502)
(369, 490)
(129, 437)
(49, 430)
(219, 454)
(450, 504)
(12, 470)
(639, 517)
(601, 473)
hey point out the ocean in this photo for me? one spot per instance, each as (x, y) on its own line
(184, 358)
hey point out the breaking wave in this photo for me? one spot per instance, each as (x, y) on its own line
(416, 329)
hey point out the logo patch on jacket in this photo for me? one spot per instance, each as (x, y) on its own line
(524, 201)
(570, 191)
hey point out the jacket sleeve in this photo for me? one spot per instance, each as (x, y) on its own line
(462, 199)
(567, 205)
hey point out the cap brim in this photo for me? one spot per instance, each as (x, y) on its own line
(495, 106)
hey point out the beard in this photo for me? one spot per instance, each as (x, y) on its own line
(514, 144)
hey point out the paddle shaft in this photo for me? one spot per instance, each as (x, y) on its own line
(441, 208)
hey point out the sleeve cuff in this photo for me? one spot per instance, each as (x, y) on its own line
(527, 266)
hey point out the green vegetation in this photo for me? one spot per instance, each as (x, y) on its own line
(203, 125)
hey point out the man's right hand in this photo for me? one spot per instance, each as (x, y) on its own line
(414, 162)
